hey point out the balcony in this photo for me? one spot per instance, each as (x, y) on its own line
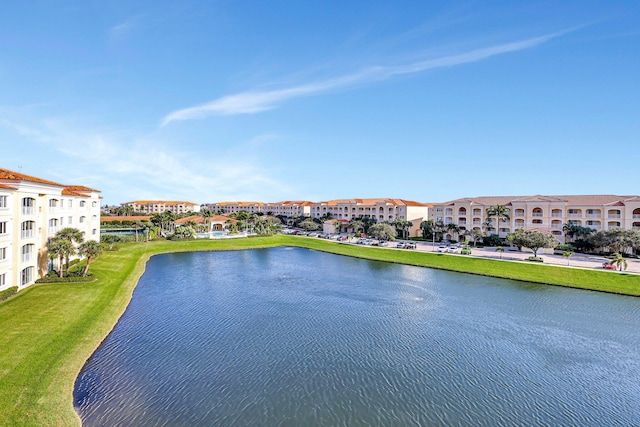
(592, 215)
(27, 234)
(26, 257)
(636, 216)
(519, 214)
(614, 216)
(53, 211)
(556, 215)
(28, 210)
(575, 215)
(52, 230)
(537, 214)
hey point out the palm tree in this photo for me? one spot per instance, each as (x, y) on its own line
(501, 250)
(453, 229)
(620, 261)
(568, 254)
(74, 236)
(59, 248)
(500, 213)
(569, 229)
(356, 225)
(89, 249)
(206, 214)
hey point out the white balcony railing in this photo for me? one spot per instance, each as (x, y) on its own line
(592, 215)
(613, 216)
(53, 230)
(575, 215)
(636, 216)
(556, 215)
(28, 210)
(26, 257)
(26, 234)
(536, 214)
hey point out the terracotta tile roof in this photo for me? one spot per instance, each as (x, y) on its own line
(6, 174)
(198, 219)
(125, 218)
(81, 189)
(7, 187)
(573, 200)
(159, 202)
(373, 202)
(293, 202)
(238, 203)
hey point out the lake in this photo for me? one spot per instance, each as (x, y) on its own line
(294, 337)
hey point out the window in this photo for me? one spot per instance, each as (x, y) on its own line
(26, 276)
(28, 206)
(93, 204)
(70, 220)
(82, 219)
(3, 227)
(3, 202)
(3, 254)
(94, 232)
(70, 203)
(82, 202)
(27, 229)
(3, 280)
(26, 253)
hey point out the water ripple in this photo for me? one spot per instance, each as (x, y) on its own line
(290, 337)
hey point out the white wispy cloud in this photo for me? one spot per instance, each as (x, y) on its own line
(257, 101)
(122, 30)
(137, 166)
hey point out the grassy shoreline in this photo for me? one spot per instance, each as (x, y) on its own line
(50, 330)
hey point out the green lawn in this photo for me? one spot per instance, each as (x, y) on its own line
(48, 331)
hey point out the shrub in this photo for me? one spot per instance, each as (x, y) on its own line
(67, 279)
(491, 240)
(535, 259)
(8, 292)
(564, 247)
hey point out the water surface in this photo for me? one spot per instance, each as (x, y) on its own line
(293, 337)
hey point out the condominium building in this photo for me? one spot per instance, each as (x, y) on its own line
(289, 208)
(543, 213)
(32, 210)
(387, 210)
(235, 207)
(151, 207)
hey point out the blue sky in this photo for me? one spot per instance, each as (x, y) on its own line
(292, 100)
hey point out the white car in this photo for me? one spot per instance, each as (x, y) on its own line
(443, 248)
(454, 249)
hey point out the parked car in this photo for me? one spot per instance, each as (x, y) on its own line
(443, 248)
(409, 245)
(454, 249)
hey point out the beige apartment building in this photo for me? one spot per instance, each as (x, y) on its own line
(235, 207)
(151, 207)
(543, 213)
(289, 208)
(32, 210)
(387, 210)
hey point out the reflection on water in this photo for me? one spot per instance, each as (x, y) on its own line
(294, 337)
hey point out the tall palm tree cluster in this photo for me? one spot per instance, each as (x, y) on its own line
(68, 242)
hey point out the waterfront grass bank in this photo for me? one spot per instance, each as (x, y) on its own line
(48, 331)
